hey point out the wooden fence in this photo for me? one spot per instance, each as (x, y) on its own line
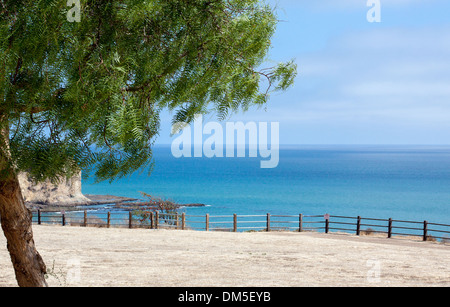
(268, 222)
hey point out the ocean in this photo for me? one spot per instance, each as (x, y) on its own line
(399, 182)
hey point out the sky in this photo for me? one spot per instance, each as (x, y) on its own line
(359, 82)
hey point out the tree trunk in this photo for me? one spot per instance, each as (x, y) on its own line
(16, 223)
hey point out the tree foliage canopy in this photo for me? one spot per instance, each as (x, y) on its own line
(87, 95)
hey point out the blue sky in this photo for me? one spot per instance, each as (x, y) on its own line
(360, 82)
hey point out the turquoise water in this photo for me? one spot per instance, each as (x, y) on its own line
(401, 182)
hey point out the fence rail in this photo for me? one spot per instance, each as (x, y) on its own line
(321, 223)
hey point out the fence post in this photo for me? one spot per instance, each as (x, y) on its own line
(327, 225)
(425, 230)
(358, 225)
(130, 220)
(108, 223)
(207, 222)
(234, 222)
(151, 220)
(156, 219)
(64, 219)
(268, 222)
(300, 222)
(85, 218)
(390, 228)
(39, 216)
(183, 221)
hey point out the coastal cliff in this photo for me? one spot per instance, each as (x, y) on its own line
(66, 192)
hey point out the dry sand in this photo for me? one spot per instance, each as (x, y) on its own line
(79, 256)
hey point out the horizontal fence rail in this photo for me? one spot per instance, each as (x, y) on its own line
(427, 231)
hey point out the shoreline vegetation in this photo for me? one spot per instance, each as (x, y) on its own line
(118, 202)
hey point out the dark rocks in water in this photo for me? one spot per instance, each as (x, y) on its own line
(108, 199)
(193, 205)
(147, 206)
(54, 207)
(125, 203)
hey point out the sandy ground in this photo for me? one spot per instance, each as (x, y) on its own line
(77, 256)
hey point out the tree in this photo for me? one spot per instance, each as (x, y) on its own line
(87, 95)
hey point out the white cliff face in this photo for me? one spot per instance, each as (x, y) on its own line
(67, 191)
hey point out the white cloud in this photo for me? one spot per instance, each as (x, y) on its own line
(398, 59)
(407, 89)
(367, 83)
(387, 85)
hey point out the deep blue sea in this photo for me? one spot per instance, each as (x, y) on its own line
(401, 182)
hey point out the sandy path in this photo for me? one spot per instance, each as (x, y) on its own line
(139, 257)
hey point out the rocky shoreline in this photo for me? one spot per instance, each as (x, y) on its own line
(118, 202)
